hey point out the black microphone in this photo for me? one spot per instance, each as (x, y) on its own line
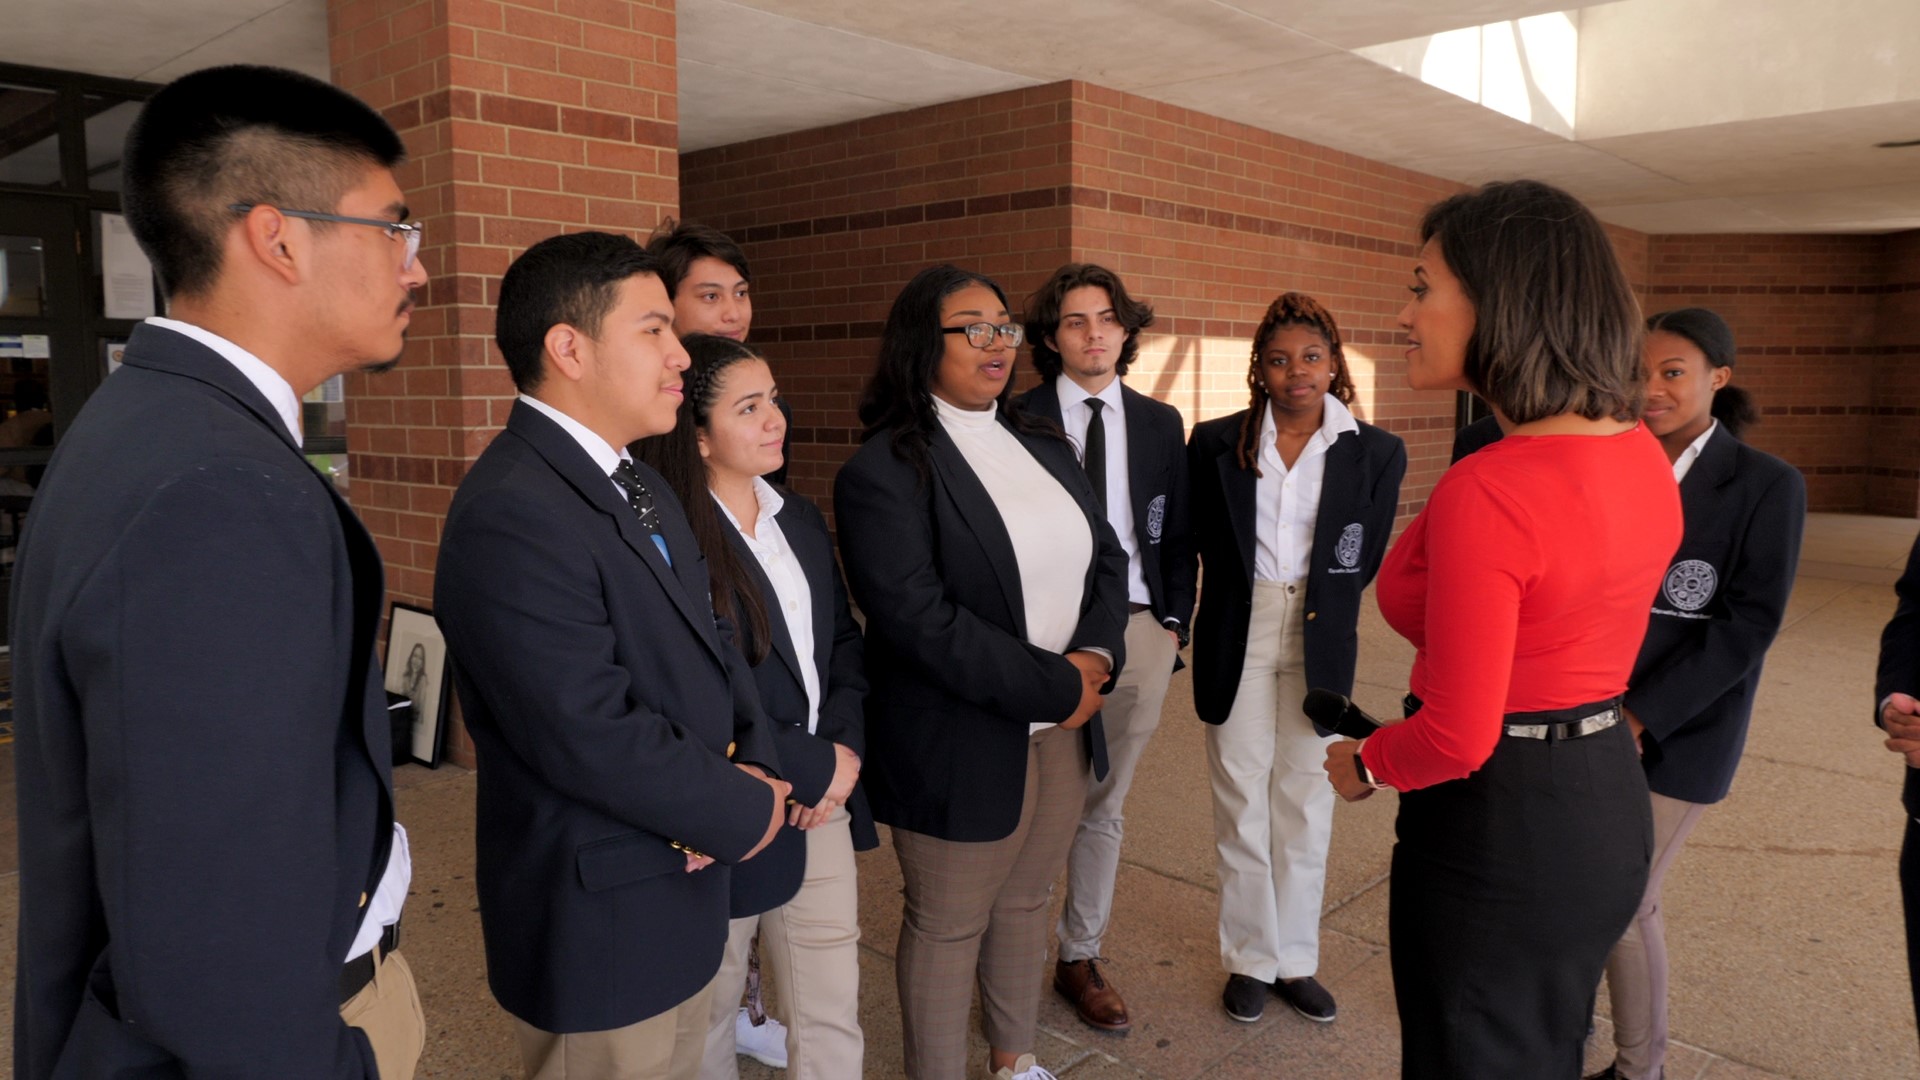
(1333, 712)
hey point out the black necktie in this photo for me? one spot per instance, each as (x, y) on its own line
(641, 500)
(1095, 459)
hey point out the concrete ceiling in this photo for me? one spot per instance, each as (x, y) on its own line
(1666, 115)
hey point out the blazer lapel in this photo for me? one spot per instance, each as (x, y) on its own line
(814, 552)
(976, 508)
(1045, 401)
(1145, 474)
(782, 643)
(1715, 465)
(566, 458)
(1343, 496)
(1238, 485)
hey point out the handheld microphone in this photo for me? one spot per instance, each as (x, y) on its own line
(1334, 712)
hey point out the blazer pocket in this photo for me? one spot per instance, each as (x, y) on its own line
(623, 860)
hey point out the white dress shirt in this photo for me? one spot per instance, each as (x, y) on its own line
(1684, 463)
(1052, 544)
(383, 907)
(1075, 415)
(276, 389)
(604, 456)
(1287, 501)
(791, 589)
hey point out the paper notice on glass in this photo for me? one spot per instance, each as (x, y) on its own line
(126, 273)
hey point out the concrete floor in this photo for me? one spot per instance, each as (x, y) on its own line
(1783, 911)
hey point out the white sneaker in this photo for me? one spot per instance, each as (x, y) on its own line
(1024, 1068)
(766, 1044)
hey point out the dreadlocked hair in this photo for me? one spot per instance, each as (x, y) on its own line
(1289, 309)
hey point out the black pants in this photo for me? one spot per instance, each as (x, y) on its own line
(1509, 887)
(1910, 899)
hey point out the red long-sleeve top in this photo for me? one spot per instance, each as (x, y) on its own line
(1524, 586)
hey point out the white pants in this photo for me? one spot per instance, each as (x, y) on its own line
(1129, 718)
(812, 946)
(1272, 805)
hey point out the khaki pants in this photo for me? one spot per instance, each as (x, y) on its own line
(1272, 805)
(387, 1011)
(811, 944)
(666, 1046)
(1637, 967)
(1130, 716)
(977, 913)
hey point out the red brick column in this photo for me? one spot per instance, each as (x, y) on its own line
(1893, 478)
(522, 120)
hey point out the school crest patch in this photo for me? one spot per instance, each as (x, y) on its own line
(1691, 584)
(1156, 517)
(1348, 549)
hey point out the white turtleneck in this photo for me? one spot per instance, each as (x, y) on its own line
(1051, 540)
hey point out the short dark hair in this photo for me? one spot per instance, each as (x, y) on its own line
(241, 134)
(1556, 327)
(677, 244)
(899, 397)
(572, 279)
(1043, 314)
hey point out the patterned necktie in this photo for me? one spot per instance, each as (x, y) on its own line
(641, 500)
(1095, 458)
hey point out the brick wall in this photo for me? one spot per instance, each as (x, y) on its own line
(835, 220)
(1803, 309)
(522, 120)
(1893, 484)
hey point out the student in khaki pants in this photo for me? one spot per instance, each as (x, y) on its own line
(1083, 328)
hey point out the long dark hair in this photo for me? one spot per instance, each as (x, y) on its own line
(1732, 405)
(676, 456)
(1288, 309)
(899, 397)
(1556, 328)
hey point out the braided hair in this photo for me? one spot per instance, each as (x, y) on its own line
(676, 456)
(1289, 309)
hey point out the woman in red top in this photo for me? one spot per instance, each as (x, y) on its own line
(1524, 831)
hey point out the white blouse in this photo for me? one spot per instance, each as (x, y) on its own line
(1052, 542)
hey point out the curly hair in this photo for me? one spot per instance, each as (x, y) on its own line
(1043, 315)
(1288, 309)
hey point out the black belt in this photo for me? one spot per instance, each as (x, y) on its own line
(1135, 609)
(358, 971)
(1598, 717)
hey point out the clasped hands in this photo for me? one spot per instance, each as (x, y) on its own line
(1094, 671)
(1900, 716)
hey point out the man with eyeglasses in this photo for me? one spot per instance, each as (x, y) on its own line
(211, 873)
(1085, 331)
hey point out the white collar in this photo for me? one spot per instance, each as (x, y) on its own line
(1072, 393)
(1335, 420)
(769, 500)
(604, 456)
(953, 416)
(271, 384)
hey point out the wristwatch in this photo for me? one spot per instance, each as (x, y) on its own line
(1360, 769)
(1180, 630)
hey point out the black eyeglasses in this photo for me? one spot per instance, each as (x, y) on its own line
(980, 334)
(410, 232)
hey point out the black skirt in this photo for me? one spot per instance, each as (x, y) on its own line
(1509, 888)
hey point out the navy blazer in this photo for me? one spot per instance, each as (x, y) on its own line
(203, 756)
(1157, 486)
(1358, 502)
(1899, 670)
(1717, 611)
(954, 682)
(807, 759)
(603, 702)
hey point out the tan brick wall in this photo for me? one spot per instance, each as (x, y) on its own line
(522, 120)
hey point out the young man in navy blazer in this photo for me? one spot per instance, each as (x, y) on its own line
(210, 873)
(1896, 690)
(603, 699)
(1084, 330)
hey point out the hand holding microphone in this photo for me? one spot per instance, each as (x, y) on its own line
(1336, 713)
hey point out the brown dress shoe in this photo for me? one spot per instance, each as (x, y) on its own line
(1098, 1003)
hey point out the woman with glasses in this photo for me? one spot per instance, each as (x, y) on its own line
(996, 608)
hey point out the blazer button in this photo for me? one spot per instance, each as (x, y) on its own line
(1310, 615)
(731, 747)
(363, 899)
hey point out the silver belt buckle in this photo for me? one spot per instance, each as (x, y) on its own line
(1597, 722)
(1527, 731)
